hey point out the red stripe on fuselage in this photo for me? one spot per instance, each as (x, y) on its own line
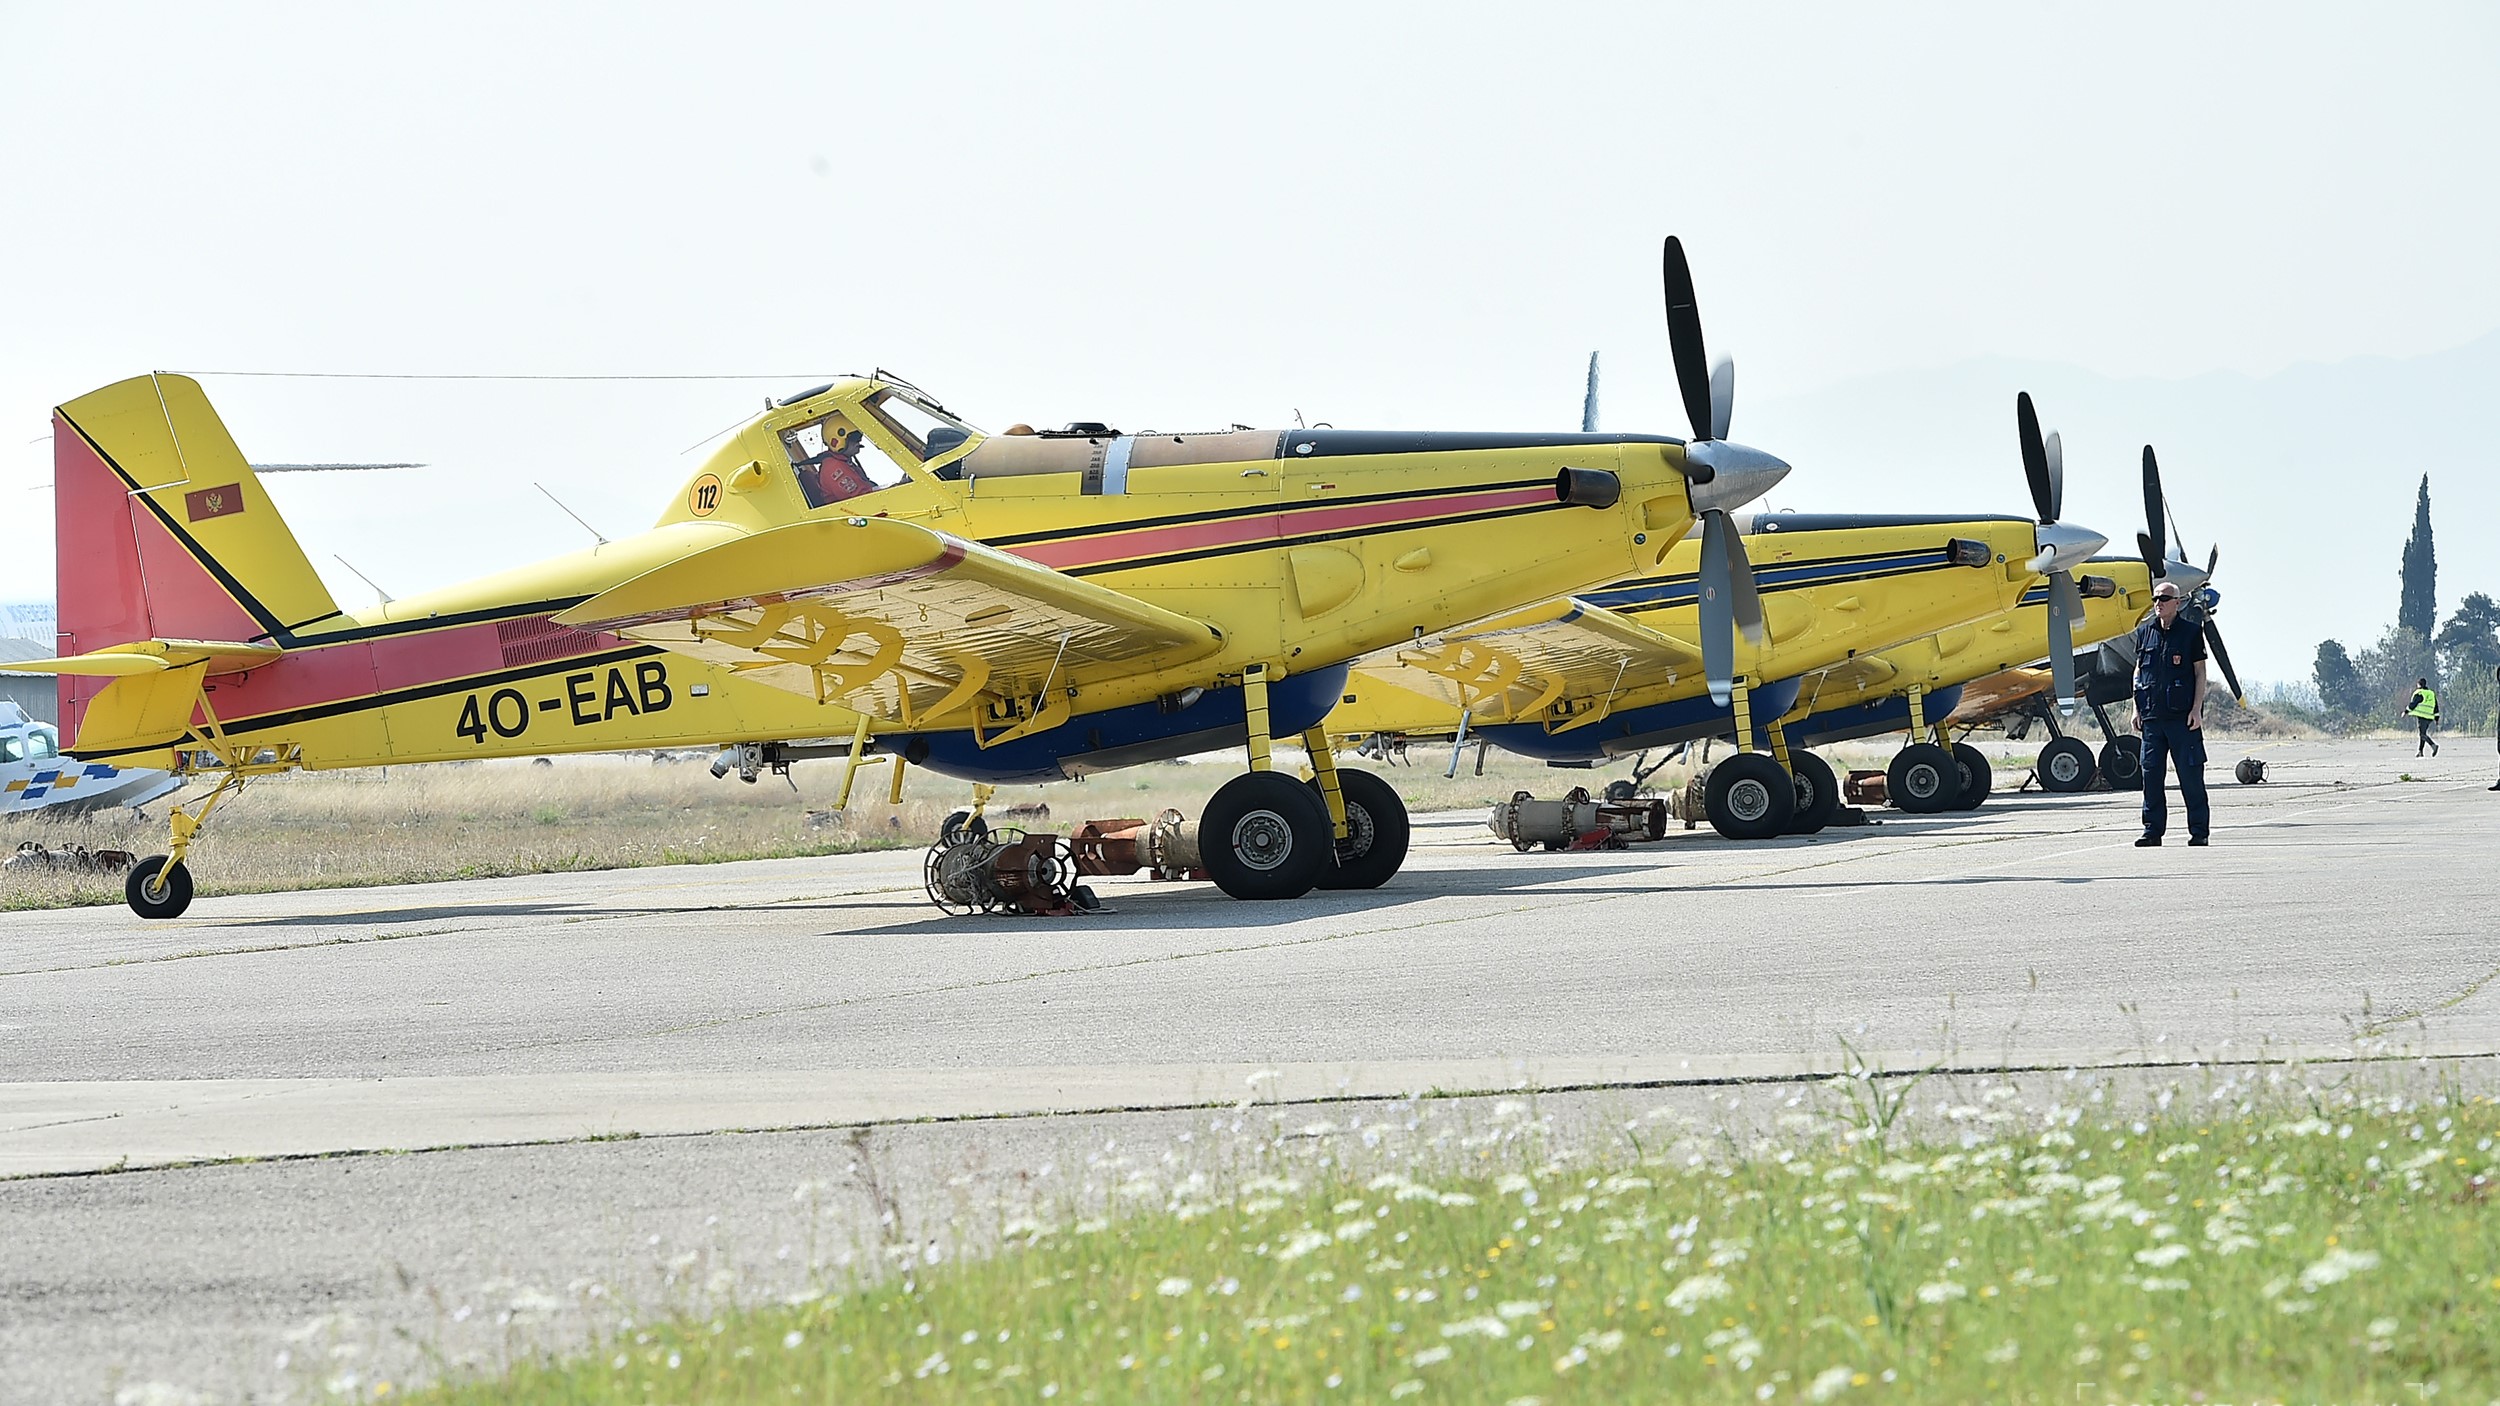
(1267, 527)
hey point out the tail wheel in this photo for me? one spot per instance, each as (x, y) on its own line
(962, 825)
(1376, 832)
(157, 889)
(1266, 835)
(1750, 797)
(1818, 793)
(2122, 762)
(2066, 765)
(1977, 775)
(1924, 779)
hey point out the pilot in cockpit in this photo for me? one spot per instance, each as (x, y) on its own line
(825, 459)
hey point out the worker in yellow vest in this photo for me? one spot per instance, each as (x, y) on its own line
(2425, 711)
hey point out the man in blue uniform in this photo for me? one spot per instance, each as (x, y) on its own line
(2169, 708)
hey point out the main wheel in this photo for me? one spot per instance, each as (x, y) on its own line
(2122, 762)
(1750, 797)
(2066, 765)
(1924, 778)
(1978, 773)
(1376, 832)
(1818, 793)
(157, 889)
(1266, 835)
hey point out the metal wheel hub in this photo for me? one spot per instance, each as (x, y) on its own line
(1262, 840)
(1359, 831)
(2064, 767)
(1923, 782)
(1749, 800)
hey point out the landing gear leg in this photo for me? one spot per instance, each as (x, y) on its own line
(159, 886)
(1266, 835)
(963, 823)
(1750, 796)
(2122, 754)
(1369, 818)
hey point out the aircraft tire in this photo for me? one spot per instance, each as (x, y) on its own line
(1978, 773)
(1818, 793)
(2122, 762)
(1377, 832)
(1266, 835)
(2065, 765)
(1750, 796)
(151, 897)
(962, 825)
(1924, 779)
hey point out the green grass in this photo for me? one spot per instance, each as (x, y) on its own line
(2325, 1250)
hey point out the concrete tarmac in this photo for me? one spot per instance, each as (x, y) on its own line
(530, 1023)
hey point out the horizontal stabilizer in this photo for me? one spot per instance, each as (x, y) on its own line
(155, 656)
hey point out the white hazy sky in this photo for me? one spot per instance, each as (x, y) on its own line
(1178, 216)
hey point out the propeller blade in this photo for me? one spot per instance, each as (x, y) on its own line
(2057, 478)
(2213, 641)
(2157, 549)
(2065, 605)
(2152, 555)
(2035, 456)
(1718, 645)
(1742, 595)
(1722, 396)
(2213, 558)
(1692, 363)
(1588, 407)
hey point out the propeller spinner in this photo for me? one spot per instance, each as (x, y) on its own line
(1720, 475)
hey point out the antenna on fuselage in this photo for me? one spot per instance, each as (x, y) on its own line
(351, 568)
(568, 512)
(1588, 407)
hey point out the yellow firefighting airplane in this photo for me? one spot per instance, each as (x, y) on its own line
(1012, 607)
(1616, 672)
(1966, 678)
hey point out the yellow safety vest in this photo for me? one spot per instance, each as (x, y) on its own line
(2426, 703)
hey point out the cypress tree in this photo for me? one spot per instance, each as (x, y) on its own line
(2417, 603)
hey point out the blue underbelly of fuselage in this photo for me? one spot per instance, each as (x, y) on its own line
(1637, 729)
(1129, 736)
(1867, 719)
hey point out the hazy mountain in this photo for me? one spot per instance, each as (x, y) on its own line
(2305, 477)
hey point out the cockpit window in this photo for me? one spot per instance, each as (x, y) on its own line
(43, 742)
(12, 747)
(926, 432)
(834, 461)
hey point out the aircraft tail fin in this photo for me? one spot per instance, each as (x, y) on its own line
(163, 533)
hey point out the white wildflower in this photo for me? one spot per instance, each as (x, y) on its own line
(1519, 1308)
(2336, 1266)
(158, 1394)
(1695, 1291)
(1173, 1288)
(1941, 1291)
(1483, 1326)
(1429, 1356)
(1303, 1243)
(2162, 1256)
(1828, 1383)
(2003, 1352)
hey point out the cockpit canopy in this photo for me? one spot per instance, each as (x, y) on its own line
(835, 458)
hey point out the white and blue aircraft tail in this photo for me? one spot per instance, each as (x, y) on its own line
(36, 779)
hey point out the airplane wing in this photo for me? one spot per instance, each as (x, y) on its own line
(1514, 665)
(893, 619)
